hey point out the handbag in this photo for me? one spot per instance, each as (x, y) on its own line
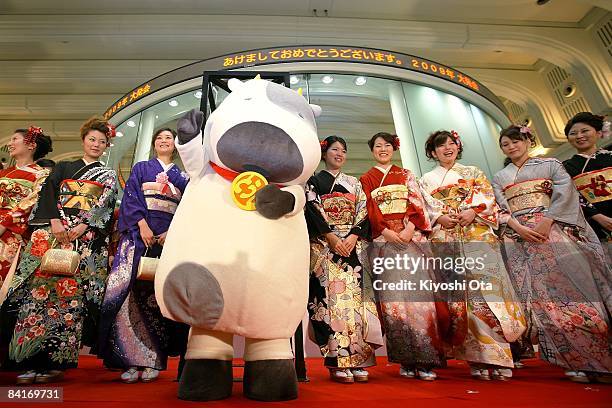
(60, 262)
(147, 267)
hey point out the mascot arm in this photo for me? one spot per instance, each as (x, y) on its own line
(193, 157)
(300, 198)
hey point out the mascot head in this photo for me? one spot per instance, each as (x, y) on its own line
(264, 127)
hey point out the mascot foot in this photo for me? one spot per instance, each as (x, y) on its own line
(205, 380)
(270, 380)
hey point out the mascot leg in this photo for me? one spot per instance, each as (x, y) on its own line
(207, 374)
(269, 370)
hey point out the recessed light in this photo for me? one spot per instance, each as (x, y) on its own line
(173, 103)
(156, 116)
(131, 123)
(198, 94)
(119, 134)
(293, 79)
(359, 81)
(327, 79)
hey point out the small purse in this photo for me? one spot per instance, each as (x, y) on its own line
(60, 262)
(147, 267)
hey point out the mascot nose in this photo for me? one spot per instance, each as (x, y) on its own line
(261, 147)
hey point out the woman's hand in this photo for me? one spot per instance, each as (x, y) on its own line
(146, 234)
(526, 233)
(77, 231)
(161, 238)
(466, 217)
(59, 231)
(604, 221)
(543, 227)
(407, 233)
(391, 236)
(350, 242)
(336, 244)
(447, 221)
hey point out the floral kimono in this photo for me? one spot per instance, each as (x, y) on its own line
(133, 333)
(56, 314)
(409, 318)
(565, 282)
(482, 323)
(343, 317)
(19, 188)
(592, 176)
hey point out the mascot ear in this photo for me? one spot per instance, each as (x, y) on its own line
(234, 84)
(316, 109)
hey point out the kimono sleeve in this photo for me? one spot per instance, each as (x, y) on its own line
(100, 215)
(433, 206)
(361, 225)
(46, 207)
(564, 202)
(315, 220)
(482, 200)
(16, 219)
(377, 222)
(133, 204)
(416, 212)
(504, 214)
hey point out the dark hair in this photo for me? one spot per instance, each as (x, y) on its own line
(387, 137)
(158, 132)
(330, 140)
(96, 123)
(48, 163)
(588, 118)
(44, 144)
(513, 132)
(437, 139)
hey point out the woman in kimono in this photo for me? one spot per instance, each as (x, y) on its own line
(133, 333)
(555, 260)
(19, 188)
(59, 313)
(343, 316)
(399, 223)
(591, 170)
(464, 213)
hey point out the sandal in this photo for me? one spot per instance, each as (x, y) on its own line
(359, 374)
(426, 375)
(501, 374)
(343, 376)
(407, 372)
(480, 374)
(580, 377)
(130, 376)
(27, 377)
(149, 374)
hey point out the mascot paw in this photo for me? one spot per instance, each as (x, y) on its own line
(273, 203)
(270, 380)
(206, 380)
(189, 126)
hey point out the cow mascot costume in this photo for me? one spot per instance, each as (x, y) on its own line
(236, 257)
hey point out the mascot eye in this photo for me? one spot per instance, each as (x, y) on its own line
(248, 99)
(301, 116)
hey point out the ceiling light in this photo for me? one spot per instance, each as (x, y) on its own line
(541, 2)
(327, 79)
(131, 123)
(119, 134)
(173, 103)
(198, 94)
(293, 79)
(359, 81)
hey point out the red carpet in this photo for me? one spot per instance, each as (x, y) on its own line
(537, 385)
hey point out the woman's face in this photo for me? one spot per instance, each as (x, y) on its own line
(447, 152)
(164, 144)
(17, 148)
(382, 151)
(583, 136)
(335, 156)
(94, 144)
(514, 149)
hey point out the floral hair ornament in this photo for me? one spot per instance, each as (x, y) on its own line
(323, 144)
(112, 130)
(605, 129)
(456, 138)
(526, 130)
(396, 142)
(30, 136)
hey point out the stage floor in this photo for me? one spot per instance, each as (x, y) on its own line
(537, 385)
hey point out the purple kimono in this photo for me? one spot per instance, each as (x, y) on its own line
(133, 333)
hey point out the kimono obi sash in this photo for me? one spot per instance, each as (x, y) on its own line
(529, 194)
(595, 186)
(391, 199)
(13, 191)
(452, 196)
(80, 194)
(161, 196)
(339, 208)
